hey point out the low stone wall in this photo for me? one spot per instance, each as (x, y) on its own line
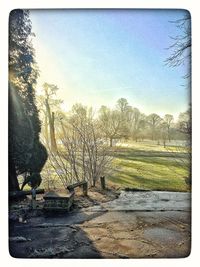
(56, 201)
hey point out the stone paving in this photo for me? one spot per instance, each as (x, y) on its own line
(136, 225)
(147, 201)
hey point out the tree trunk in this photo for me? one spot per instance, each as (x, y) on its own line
(94, 183)
(13, 182)
(103, 182)
(51, 127)
(169, 138)
(46, 129)
(111, 142)
(164, 144)
(52, 133)
(85, 189)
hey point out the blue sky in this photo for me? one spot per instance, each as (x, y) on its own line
(98, 56)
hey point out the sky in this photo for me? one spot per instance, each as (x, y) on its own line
(96, 57)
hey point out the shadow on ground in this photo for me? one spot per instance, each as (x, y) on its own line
(52, 237)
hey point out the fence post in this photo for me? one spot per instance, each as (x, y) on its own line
(33, 200)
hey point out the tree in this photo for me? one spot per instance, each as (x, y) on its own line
(50, 103)
(184, 123)
(24, 123)
(83, 155)
(136, 121)
(181, 47)
(110, 123)
(181, 54)
(95, 155)
(114, 122)
(122, 105)
(163, 129)
(153, 122)
(124, 109)
(20, 142)
(168, 119)
(183, 128)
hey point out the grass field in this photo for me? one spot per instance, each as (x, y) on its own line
(146, 165)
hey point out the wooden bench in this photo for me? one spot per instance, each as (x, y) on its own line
(58, 201)
(83, 184)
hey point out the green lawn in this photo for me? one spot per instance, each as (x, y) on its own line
(146, 165)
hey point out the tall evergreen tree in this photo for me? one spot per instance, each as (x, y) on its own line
(26, 153)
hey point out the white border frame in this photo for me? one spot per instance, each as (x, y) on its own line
(5, 8)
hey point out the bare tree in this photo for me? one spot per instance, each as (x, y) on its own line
(153, 122)
(49, 90)
(136, 123)
(181, 46)
(83, 154)
(163, 131)
(49, 106)
(184, 123)
(168, 119)
(181, 54)
(110, 123)
(122, 105)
